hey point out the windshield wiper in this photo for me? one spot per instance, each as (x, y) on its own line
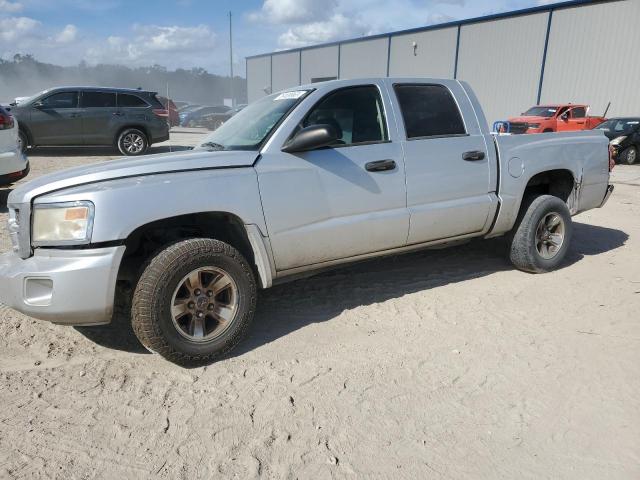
(213, 146)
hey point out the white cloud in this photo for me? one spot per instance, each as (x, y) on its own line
(307, 22)
(295, 11)
(152, 44)
(338, 26)
(13, 29)
(10, 7)
(67, 35)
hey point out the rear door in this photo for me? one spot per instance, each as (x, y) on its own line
(57, 119)
(577, 120)
(132, 109)
(99, 110)
(446, 161)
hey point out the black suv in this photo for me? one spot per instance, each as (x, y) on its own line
(131, 120)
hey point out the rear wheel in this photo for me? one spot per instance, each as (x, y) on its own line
(541, 237)
(23, 141)
(132, 142)
(629, 155)
(194, 302)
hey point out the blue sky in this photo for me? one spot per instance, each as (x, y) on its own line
(194, 33)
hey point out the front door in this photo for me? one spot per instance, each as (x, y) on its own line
(447, 162)
(336, 203)
(57, 120)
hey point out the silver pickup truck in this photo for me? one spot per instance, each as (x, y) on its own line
(301, 180)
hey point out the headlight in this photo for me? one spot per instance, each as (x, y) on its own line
(618, 140)
(68, 223)
(534, 125)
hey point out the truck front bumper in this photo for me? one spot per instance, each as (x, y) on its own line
(68, 287)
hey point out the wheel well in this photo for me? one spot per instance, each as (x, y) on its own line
(144, 242)
(27, 133)
(559, 183)
(142, 128)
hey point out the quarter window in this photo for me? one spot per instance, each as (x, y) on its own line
(126, 100)
(61, 100)
(356, 113)
(429, 111)
(98, 100)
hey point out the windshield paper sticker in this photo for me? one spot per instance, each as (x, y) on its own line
(290, 95)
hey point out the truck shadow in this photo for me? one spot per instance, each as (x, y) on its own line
(286, 308)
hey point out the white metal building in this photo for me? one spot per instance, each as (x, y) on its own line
(582, 51)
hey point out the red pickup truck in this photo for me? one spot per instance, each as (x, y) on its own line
(554, 118)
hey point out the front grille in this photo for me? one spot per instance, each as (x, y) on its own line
(518, 127)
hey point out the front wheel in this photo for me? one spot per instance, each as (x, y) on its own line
(194, 301)
(541, 237)
(629, 156)
(132, 142)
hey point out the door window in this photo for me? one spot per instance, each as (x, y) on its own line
(429, 111)
(579, 112)
(356, 113)
(61, 100)
(126, 100)
(98, 100)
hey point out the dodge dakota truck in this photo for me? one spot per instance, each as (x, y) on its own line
(299, 181)
(554, 118)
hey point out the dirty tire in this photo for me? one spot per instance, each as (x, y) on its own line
(629, 156)
(151, 307)
(132, 142)
(522, 246)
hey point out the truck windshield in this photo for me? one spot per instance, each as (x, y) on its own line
(546, 112)
(247, 129)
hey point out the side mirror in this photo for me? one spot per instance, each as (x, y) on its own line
(38, 105)
(311, 138)
(564, 116)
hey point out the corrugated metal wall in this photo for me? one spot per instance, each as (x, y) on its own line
(434, 54)
(319, 63)
(367, 58)
(286, 70)
(258, 77)
(591, 58)
(501, 61)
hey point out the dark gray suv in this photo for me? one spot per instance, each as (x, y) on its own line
(130, 120)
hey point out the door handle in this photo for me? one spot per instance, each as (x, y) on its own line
(380, 165)
(118, 114)
(473, 156)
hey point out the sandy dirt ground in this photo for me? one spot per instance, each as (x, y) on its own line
(443, 364)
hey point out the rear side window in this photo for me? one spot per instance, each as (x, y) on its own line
(61, 100)
(579, 112)
(429, 111)
(126, 100)
(98, 100)
(356, 113)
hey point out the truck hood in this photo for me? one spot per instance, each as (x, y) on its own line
(130, 167)
(528, 119)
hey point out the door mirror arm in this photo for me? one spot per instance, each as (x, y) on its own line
(311, 138)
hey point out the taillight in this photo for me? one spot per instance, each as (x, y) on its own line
(6, 121)
(612, 159)
(160, 112)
